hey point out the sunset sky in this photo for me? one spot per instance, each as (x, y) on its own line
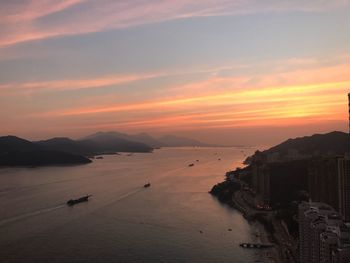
(225, 72)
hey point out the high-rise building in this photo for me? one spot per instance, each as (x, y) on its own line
(317, 227)
(344, 187)
(323, 181)
(329, 182)
(323, 235)
(335, 244)
(308, 213)
(341, 255)
(328, 243)
(349, 110)
(278, 183)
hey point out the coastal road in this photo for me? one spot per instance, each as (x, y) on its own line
(270, 255)
(285, 251)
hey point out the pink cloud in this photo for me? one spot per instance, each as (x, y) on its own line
(20, 22)
(27, 10)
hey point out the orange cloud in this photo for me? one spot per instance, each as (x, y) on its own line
(204, 121)
(287, 105)
(266, 95)
(293, 97)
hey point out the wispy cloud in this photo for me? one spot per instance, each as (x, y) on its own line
(27, 10)
(219, 78)
(34, 20)
(271, 107)
(284, 105)
(293, 92)
(73, 84)
(18, 19)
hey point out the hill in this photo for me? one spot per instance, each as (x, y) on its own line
(147, 139)
(164, 141)
(332, 143)
(41, 158)
(12, 143)
(143, 138)
(113, 141)
(176, 141)
(16, 151)
(68, 145)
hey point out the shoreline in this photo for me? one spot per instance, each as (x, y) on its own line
(262, 235)
(267, 255)
(264, 231)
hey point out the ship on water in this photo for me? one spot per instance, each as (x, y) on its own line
(72, 202)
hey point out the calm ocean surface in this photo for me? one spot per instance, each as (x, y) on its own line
(124, 222)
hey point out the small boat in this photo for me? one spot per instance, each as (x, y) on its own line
(72, 202)
(190, 165)
(254, 245)
(147, 185)
(99, 157)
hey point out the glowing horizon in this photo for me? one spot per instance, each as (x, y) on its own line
(76, 67)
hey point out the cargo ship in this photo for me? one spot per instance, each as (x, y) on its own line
(72, 202)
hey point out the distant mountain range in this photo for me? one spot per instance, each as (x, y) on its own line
(175, 141)
(61, 150)
(164, 141)
(111, 142)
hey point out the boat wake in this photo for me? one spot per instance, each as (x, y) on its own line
(131, 193)
(6, 221)
(145, 223)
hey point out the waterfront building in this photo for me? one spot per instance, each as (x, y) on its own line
(257, 163)
(307, 214)
(349, 110)
(328, 241)
(273, 157)
(323, 235)
(277, 184)
(329, 182)
(344, 186)
(317, 226)
(323, 181)
(335, 244)
(341, 255)
(293, 155)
